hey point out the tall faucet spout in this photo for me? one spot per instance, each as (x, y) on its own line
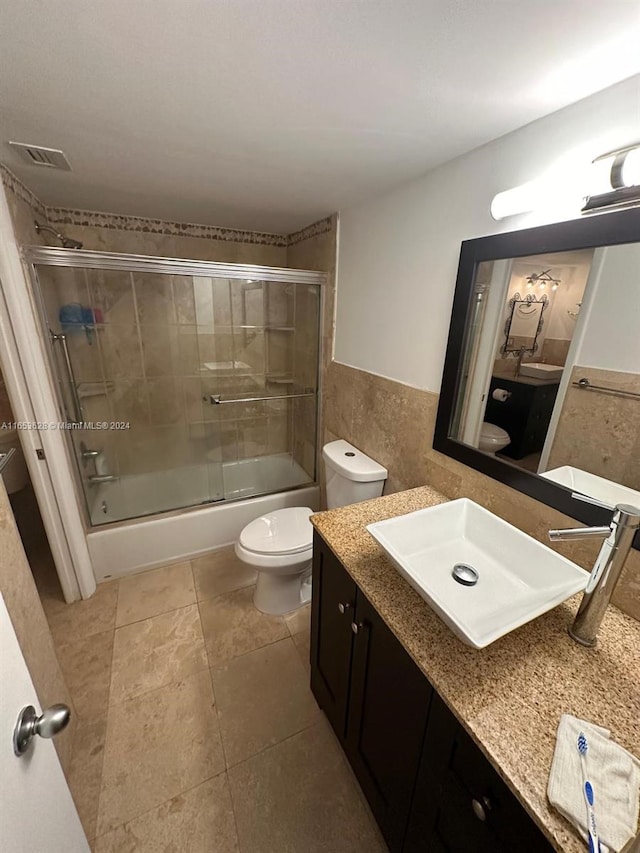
(578, 533)
(606, 570)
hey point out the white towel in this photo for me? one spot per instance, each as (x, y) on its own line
(613, 772)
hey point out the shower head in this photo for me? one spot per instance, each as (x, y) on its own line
(67, 242)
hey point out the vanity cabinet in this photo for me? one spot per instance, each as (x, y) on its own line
(525, 415)
(373, 694)
(428, 785)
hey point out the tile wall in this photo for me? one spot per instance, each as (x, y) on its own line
(314, 248)
(394, 424)
(599, 432)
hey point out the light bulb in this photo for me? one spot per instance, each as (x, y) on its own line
(631, 168)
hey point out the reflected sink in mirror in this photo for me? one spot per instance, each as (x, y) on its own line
(601, 489)
(538, 370)
(518, 578)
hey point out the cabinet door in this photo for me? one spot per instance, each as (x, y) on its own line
(460, 804)
(388, 711)
(332, 609)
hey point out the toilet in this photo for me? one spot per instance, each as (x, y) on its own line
(279, 544)
(493, 438)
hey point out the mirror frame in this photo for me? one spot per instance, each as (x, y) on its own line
(602, 229)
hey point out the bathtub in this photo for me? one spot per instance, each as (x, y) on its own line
(119, 548)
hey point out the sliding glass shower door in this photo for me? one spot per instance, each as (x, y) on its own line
(180, 385)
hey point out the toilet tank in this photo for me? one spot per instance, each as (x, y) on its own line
(351, 475)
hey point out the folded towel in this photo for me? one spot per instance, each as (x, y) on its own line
(614, 774)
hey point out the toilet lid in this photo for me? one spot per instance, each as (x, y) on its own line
(285, 531)
(492, 431)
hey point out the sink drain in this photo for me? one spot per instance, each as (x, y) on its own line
(464, 574)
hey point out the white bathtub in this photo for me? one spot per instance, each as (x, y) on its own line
(126, 547)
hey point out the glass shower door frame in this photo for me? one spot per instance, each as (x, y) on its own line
(70, 258)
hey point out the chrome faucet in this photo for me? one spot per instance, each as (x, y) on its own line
(606, 570)
(521, 353)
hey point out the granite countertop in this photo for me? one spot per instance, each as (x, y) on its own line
(510, 695)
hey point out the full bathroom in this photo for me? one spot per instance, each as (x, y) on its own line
(319, 387)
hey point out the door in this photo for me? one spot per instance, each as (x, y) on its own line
(128, 357)
(332, 610)
(388, 710)
(37, 814)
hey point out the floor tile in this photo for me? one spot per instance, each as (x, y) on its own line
(219, 572)
(303, 647)
(158, 745)
(262, 698)
(299, 620)
(69, 622)
(151, 593)
(299, 796)
(198, 821)
(232, 626)
(85, 773)
(86, 667)
(157, 651)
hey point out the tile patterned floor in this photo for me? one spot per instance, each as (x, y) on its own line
(197, 730)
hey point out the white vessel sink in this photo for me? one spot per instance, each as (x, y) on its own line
(518, 577)
(538, 370)
(595, 487)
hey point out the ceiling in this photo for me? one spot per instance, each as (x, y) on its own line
(270, 114)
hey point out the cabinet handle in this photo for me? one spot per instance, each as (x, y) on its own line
(480, 809)
(342, 608)
(356, 627)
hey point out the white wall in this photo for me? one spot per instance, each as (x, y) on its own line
(398, 254)
(611, 339)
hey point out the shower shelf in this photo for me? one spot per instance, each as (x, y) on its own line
(280, 380)
(91, 389)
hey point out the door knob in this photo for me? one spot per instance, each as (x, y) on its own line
(343, 607)
(48, 724)
(356, 627)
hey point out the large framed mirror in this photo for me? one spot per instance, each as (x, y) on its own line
(541, 383)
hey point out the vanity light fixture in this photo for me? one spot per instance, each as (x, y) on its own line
(616, 178)
(612, 180)
(542, 279)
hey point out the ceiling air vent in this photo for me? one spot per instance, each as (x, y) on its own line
(37, 155)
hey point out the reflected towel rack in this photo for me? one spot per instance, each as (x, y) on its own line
(215, 399)
(587, 386)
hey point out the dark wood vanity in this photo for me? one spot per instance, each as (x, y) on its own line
(429, 786)
(525, 415)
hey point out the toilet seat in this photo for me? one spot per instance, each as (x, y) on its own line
(278, 534)
(490, 434)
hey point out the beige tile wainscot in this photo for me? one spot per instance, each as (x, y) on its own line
(510, 695)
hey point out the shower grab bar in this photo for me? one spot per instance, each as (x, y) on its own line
(102, 478)
(77, 405)
(617, 392)
(215, 399)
